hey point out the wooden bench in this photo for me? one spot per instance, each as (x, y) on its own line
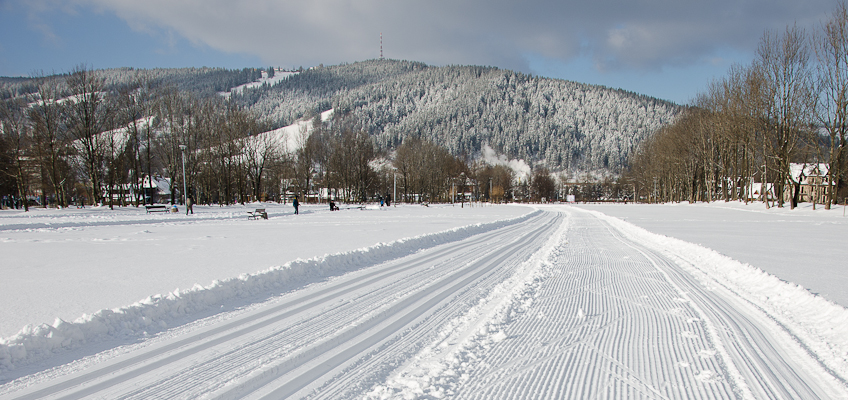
(151, 209)
(259, 212)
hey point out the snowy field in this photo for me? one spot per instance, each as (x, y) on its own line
(63, 264)
(416, 302)
(804, 246)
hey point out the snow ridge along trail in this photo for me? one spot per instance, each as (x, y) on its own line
(43, 343)
(301, 341)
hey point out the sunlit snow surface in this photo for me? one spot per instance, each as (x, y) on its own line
(66, 263)
(803, 246)
(419, 302)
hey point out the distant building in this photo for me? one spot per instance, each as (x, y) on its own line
(756, 191)
(813, 181)
(811, 177)
(156, 189)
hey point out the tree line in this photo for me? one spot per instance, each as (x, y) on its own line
(201, 81)
(74, 139)
(746, 130)
(338, 160)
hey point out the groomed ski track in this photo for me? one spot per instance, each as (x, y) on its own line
(559, 305)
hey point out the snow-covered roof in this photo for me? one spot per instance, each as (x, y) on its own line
(800, 172)
(161, 184)
(819, 169)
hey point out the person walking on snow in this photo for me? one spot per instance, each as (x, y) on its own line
(295, 204)
(189, 205)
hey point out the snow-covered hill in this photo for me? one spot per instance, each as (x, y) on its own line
(562, 124)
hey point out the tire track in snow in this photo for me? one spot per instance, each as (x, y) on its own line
(113, 377)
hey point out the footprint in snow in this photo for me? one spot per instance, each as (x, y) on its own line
(689, 335)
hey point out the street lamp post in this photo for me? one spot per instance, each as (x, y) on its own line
(490, 190)
(185, 193)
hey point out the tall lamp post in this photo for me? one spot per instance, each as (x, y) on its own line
(185, 193)
(490, 190)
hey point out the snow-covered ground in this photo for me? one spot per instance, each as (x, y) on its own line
(804, 246)
(66, 263)
(413, 302)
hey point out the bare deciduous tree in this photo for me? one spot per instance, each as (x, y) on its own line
(785, 64)
(831, 47)
(16, 138)
(52, 145)
(88, 116)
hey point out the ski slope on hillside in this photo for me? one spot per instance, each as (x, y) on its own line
(264, 80)
(560, 303)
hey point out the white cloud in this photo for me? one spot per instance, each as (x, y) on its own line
(633, 34)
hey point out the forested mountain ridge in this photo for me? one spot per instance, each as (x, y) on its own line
(561, 124)
(202, 81)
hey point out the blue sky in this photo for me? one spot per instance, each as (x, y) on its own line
(669, 49)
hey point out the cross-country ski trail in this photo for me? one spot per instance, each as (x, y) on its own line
(558, 305)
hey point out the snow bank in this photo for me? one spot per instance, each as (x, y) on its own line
(153, 314)
(817, 324)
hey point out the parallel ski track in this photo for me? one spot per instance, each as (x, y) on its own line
(650, 330)
(366, 317)
(425, 311)
(628, 345)
(768, 370)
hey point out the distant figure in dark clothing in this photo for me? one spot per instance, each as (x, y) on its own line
(189, 205)
(388, 200)
(295, 204)
(333, 206)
